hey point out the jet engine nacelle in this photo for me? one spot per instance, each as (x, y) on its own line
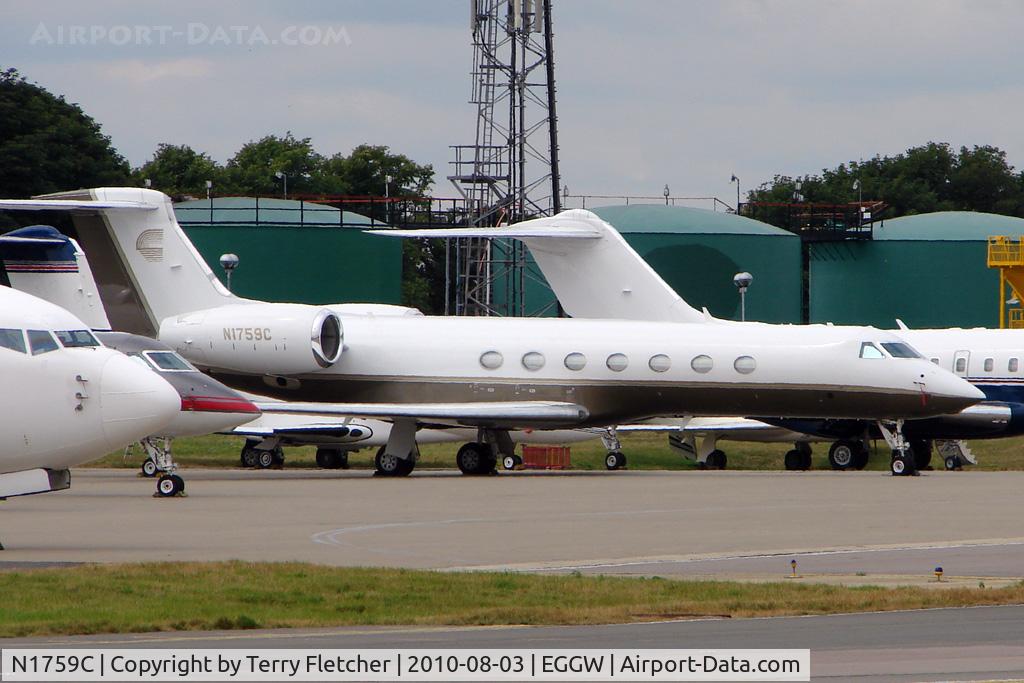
(265, 338)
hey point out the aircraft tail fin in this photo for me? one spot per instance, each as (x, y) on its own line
(39, 260)
(145, 266)
(591, 268)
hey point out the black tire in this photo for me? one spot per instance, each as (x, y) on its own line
(391, 465)
(331, 458)
(149, 468)
(475, 458)
(264, 459)
(278, 455)
(166, 486)
(805, 460)
(615, 460)
(793, 461)
(510, 462)
(953, 463)
(862, 456)
(717, 460)
(179, 483)
(902, 463)
(249, 457)
(922, 454)
(842, 455)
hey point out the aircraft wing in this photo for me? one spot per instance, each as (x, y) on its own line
(506, 414)
(72, 205)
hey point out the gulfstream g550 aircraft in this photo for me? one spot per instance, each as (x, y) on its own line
(65, 399)
(582, 255)
(494, 374)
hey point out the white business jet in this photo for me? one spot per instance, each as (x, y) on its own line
(493, 374)
(594, 273)
(65, 398)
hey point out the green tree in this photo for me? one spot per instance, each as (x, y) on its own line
(932, 177)
(48, 144)
(365, 169)
(253, 170)
(179, 170)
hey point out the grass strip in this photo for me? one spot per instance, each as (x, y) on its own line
(645, 451)
(131, 598)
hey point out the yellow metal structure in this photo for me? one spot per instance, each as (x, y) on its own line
(1007, 254)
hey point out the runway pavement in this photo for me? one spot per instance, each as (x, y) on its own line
(984, 643)
(747, 524)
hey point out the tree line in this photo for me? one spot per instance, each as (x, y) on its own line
(931, 177)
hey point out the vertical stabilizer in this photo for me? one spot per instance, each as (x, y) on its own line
(145, 267)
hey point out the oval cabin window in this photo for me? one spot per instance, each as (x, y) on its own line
(702, 363)
(745, 365)
(617, 362)
(533, 360)
(660, 363)
(575, 361)
(491, 360)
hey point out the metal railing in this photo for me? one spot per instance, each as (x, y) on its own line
(1005, 251)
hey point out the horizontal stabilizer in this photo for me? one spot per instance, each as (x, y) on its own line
(499, 413)
(561, 226)
(14, 239)
(72, 205)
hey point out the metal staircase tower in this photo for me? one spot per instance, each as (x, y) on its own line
(510, 173)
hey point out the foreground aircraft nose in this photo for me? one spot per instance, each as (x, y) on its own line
(135, 401)
(948, 393)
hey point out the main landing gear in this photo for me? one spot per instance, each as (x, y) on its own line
(481, 456)
(398, 457)
(615, 459)
(261, 454)
(159, 460)
(848, 455)
(799, 458)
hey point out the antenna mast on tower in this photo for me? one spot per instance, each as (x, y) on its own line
(510, 173)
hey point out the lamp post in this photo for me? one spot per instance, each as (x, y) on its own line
(228, 262)
(666, 192)
(281, 175)
(742, 281)
(209, 186)
(735, 179)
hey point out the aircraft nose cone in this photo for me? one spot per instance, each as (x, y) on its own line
(949, 393)
(135, 401)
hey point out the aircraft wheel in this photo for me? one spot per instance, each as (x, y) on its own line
(265, 459)
(717, 460)
(250, 456)
(805, 459)
(902, 463)
(148, 468)
(278, 456)
(331, 458)
(473, 458)
(511, 462)
(953, 463)
(391, 465)
(169, 485)
(796, 461)
(842, 454)
(861, 455)
(922, 454)
(615, 460)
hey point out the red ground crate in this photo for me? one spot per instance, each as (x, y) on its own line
(546, 457)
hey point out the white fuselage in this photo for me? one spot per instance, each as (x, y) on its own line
(65, 406)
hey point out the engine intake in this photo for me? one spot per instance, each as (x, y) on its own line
(261, 338)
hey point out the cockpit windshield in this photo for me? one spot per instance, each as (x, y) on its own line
(900, 350)
(168, 360)
(72, 339)
(869, 350)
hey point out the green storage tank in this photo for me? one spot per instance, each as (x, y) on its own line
(929, 270)
(698, 252)
(295, 251)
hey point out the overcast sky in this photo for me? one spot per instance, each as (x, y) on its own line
(649, 93)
